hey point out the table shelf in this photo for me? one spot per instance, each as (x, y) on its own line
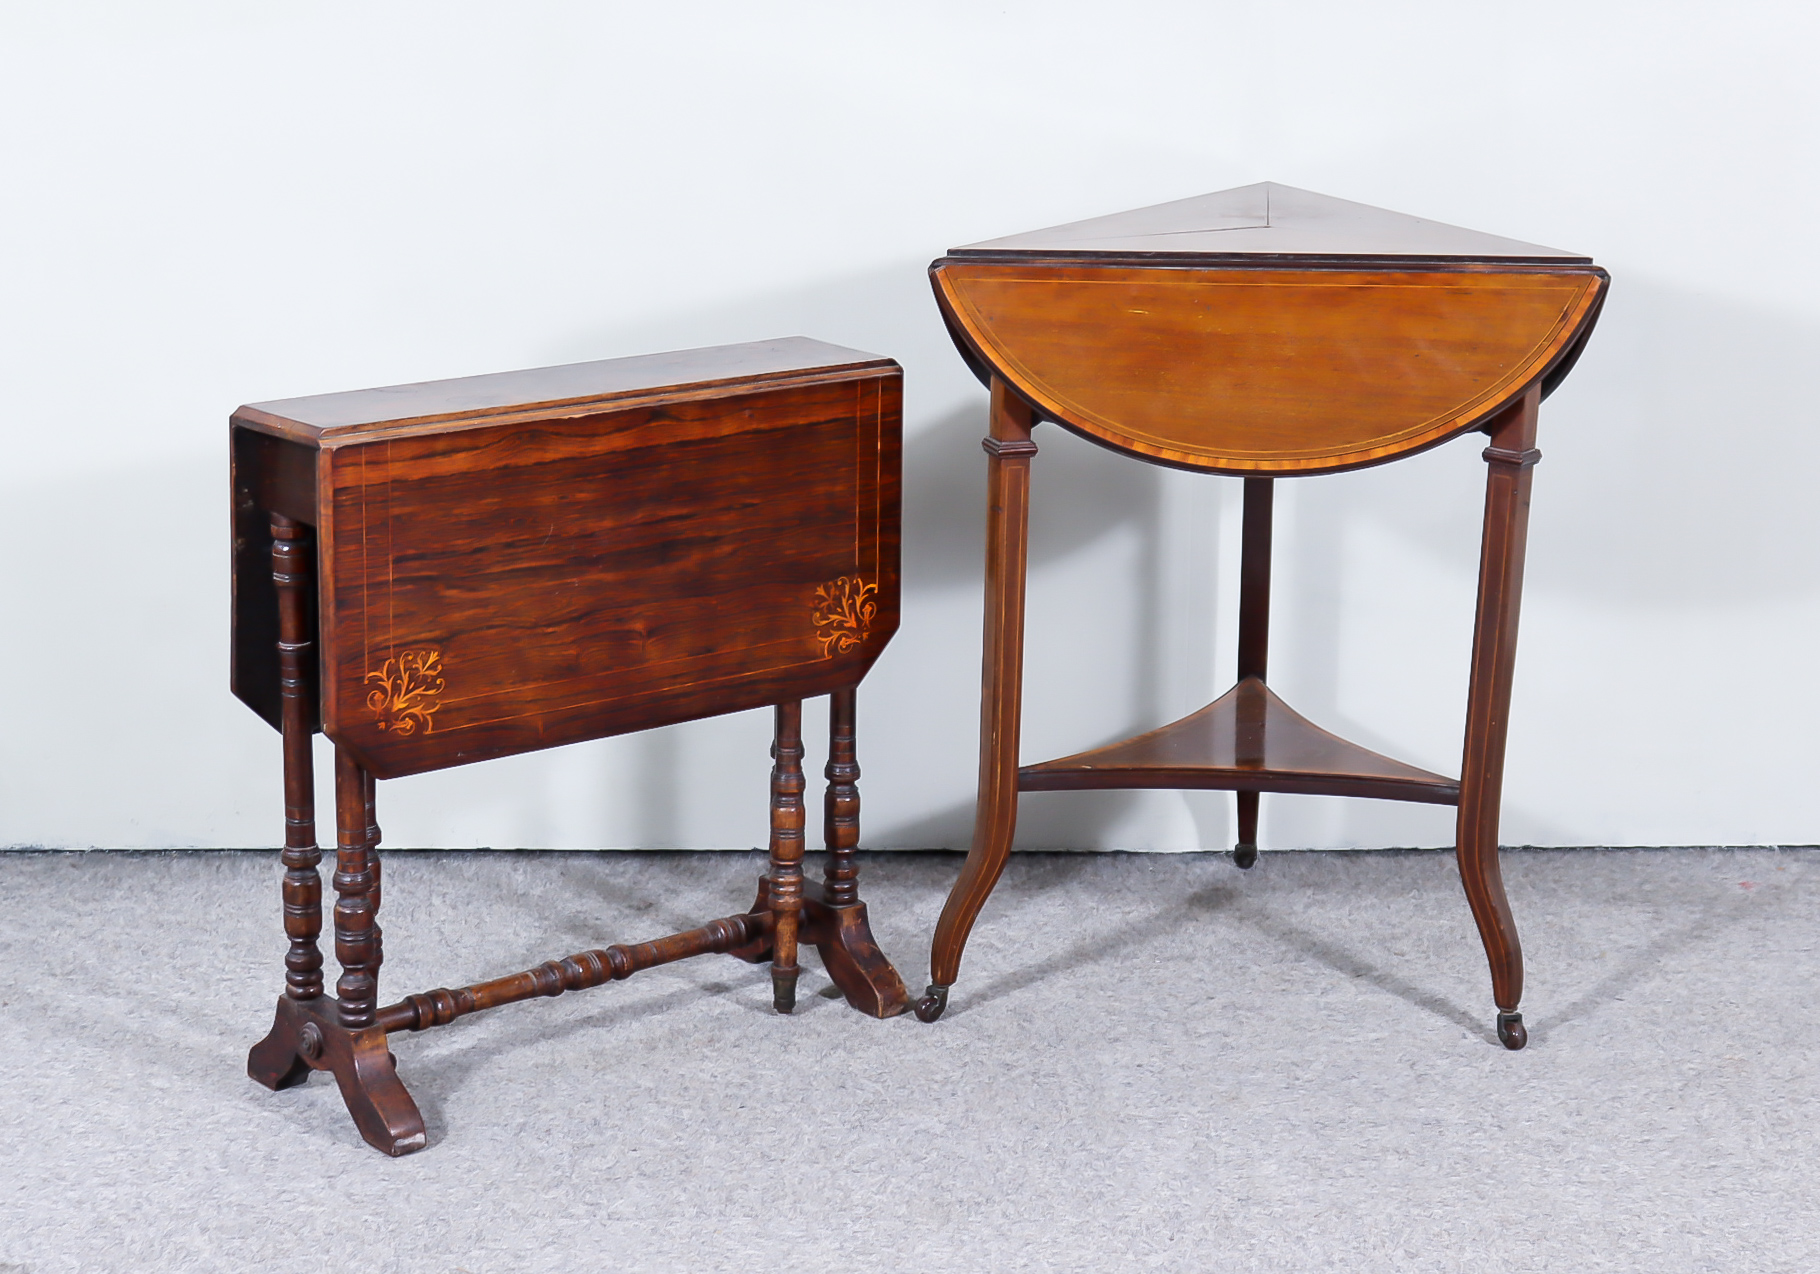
(1247, 740)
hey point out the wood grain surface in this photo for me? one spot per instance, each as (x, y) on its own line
(456, 571)
(1265, 370)
(1262, 332)
(536, 576)
(1247, 740)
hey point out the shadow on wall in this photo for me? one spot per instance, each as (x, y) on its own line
(1688, 457)
(1676, 480)
(1676, 464)
(1049, 821)
(1082, 494)
(116, 725)
(1673, 483)
(1086, 495)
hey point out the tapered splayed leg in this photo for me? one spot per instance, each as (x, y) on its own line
(1510, 458)
(1009, 449)
(1245, 852)
(1254, 643)
(274, 1061)
(786, 877)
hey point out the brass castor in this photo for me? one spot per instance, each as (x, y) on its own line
(934, 1000)
(1244, 857)
(1511, 1032)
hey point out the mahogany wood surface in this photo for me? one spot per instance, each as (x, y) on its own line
(1008, 451)
(1264, 222)
(1264, 332)
(1254, 634)
(574, 973)
(1247, 740)
(1251, 370)
(445, 573)
(1510, 461)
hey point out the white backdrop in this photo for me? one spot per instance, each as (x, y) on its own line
(203, 204)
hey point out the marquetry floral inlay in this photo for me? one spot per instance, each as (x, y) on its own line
(843, 613)
(407, 691)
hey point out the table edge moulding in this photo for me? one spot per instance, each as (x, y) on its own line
(753, 489)
(1263, 332)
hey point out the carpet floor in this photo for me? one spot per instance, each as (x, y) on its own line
(1151, 1062)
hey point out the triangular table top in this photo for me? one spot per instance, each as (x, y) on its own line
(1246, 740)
(1267, 220)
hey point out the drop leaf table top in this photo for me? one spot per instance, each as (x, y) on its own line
(1267, 330)
(521, 560)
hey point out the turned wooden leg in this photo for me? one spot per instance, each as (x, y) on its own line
(786, 878)
(357, 942)
(357, 1051)
(273, 1061)
(836, 922)
(1510, 458)
(832, 917)
(1254, 639)
(995, 816)
(840, 807)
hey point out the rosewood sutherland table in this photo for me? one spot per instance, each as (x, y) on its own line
(1262, 332)
(444, 573)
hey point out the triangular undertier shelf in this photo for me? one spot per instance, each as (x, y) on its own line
(1246, 740)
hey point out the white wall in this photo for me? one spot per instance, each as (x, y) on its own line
(205, 203)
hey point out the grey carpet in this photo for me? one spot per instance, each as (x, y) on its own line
(1151, 1062)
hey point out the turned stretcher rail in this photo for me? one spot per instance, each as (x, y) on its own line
(576, 973)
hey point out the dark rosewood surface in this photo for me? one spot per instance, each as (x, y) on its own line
(1264, 332)
(522, 575)
(444, 573)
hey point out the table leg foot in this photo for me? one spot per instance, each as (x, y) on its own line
(306, 1036)
(757, 951)
(274, 1061)
(843, 938)
(377, 1099)
(1244, 857)
(934, 1000)
(1511, 1031)
(783, 989)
